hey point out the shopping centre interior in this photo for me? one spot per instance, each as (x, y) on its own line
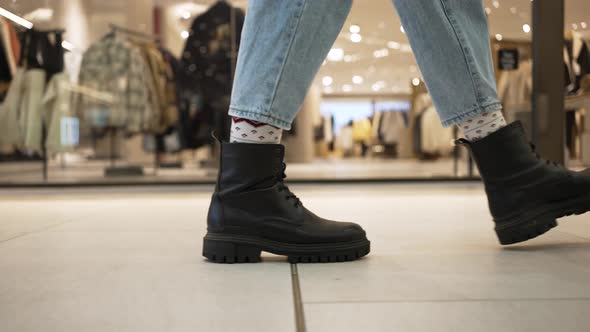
(102, 217)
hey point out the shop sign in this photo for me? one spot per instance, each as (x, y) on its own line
(508, 59)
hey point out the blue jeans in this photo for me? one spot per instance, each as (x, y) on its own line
(284, 43)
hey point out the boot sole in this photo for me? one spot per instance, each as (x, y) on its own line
(524, 228)
(225, 248)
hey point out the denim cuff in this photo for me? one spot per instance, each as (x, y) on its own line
(490, 106)
(260, 116)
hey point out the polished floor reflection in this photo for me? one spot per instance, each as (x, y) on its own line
(320, 169)
(129, 260)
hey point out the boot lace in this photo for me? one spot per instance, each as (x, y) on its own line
(548, 162)
(281, 176)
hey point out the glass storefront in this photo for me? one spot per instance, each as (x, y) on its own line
(97, 92)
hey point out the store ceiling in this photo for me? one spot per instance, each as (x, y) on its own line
(382, 59)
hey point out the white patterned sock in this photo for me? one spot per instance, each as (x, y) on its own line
(249, 131)
(482, 125)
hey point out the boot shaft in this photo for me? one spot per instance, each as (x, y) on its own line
(250, 166)
(504, 154)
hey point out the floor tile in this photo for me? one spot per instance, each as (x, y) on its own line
(19, 217)
(137, 267)
(487, 316)
(428, 245)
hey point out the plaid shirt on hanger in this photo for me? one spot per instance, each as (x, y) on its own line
(114, 66)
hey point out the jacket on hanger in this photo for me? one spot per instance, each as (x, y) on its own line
(207, 56)
(114, 67)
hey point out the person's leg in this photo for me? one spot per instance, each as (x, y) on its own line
(452, 45)
(283, 45)
(451, 41)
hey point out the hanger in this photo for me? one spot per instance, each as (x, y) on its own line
(115, 29)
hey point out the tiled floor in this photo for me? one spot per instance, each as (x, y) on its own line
(129, 260)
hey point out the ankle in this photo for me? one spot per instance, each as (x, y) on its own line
(482, 125)
(254, 132)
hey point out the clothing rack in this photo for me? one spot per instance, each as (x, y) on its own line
(116, 28)
(113, 170)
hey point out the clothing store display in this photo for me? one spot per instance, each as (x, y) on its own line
(252, 210)
(526, 194)
(482, 125)
(248, 131)
(23, 115)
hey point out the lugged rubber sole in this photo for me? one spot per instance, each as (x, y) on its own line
(525, 228)
(226, 248)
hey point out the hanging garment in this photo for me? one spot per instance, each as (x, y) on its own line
(392, 123)
(7, 47)
(114, 67)
(576, 56)
(515, 89)
(41, 57)
(345, 140)
(31, 108)
(160, 86)
(207, 55)
(43, 50)
(376, 126)
(10, 39)
(153, 82)
(435, 138)
(328, 128)
(5, 74)
(59, 119)
(361, 130)
(10, 129)
(72, 63)
(208, 60)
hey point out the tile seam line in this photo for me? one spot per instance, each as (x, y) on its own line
(297, 300)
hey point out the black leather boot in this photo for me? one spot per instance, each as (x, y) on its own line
(526, 194)
(252, 210)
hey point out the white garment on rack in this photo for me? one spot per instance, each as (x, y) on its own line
(392, 124)
(31, 109)
(423, 101)
(344, 139)
(515, 88)
(57, 110)
(328, 130)
(72, 64)
(435, 138)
